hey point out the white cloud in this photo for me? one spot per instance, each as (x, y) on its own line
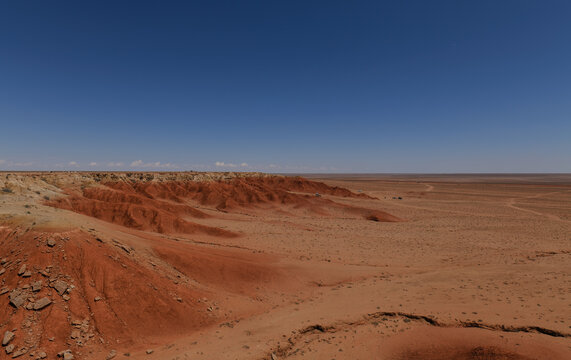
(156, 164)
(223, 164)
(244, 164)
(73, 163)
(272, 166)
(93, 163)
(115, 164)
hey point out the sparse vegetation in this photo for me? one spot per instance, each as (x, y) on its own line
(46, 197)
(7, 190)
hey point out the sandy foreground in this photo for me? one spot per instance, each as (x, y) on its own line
(255, 266)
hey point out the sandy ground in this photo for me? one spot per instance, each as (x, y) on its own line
(479, 268)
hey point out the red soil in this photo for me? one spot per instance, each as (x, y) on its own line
(139, 300)
(127, 208)
(201, 297)
(379, 216)
(140, 303)
(160, 206)
(222, 269)
(430, 343)
(239, 191)
(95, 270)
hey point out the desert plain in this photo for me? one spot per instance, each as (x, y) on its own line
(189, 265)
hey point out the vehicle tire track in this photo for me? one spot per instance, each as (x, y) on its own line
(511, 203)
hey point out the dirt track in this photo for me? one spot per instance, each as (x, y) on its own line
(245, 268)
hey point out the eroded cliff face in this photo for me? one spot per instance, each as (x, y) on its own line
(93, 262)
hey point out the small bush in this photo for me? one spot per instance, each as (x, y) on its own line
(46, 197)
(7, 191)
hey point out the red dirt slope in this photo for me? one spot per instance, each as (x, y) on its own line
(107, 295)
(96, 284)
(239, 192)
(164, 206)
(127, 208)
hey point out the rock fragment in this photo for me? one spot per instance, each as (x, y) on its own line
(37, 286)
(8, 336)
(150, 351)
(42, 303)
(17, 298)
(111, 355)
(122, 247)
(51, 242)
(22, 270)
(66, 354)
(19, 353)
(2, 271)
(60, 286)
(9, 348)
(75, 333)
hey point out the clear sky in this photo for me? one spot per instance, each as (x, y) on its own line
(286, 86)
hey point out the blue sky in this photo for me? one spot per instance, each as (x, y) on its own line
(286, 86)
